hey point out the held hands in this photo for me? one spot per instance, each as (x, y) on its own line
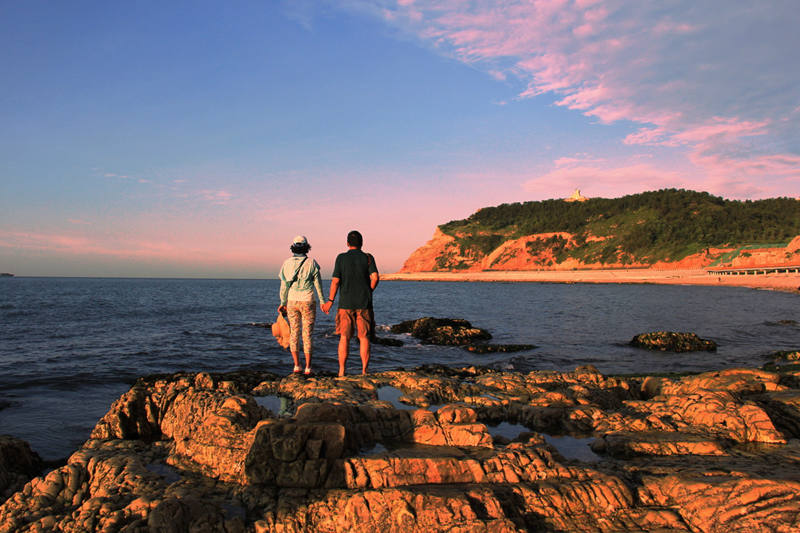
(282, 309)
(326, 307)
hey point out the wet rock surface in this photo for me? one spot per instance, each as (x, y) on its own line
(711, 452)
(671, 341)
(442, 331)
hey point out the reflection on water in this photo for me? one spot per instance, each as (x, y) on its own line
(573, 447)
(392, 395)
(378, 448)
(170, 474)
(569, 447)
(280, 405)
(507, 430)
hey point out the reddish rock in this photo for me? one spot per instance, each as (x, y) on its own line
(710, 452)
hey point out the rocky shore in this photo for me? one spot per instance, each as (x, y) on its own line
(432, 449)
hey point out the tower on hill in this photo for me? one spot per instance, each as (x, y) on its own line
(576, 197)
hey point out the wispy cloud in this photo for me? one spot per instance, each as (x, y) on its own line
(83, 245)
(216, 196)
(686, 75)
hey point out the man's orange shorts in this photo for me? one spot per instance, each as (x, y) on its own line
(350, 320)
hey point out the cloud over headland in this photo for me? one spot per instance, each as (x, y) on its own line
(713, 79)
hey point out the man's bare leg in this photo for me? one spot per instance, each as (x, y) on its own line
(364, 349)
(344, 347)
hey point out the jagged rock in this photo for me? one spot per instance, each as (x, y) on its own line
(442, 331)
(195, 452)
(18, 464)
(498, 348)
(673, 342)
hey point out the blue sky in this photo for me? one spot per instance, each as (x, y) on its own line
(197, 138)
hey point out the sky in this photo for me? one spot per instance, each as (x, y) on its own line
(197, 138)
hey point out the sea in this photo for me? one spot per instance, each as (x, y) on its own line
(70, 346)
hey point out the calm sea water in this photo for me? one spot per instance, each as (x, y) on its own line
(70, 347)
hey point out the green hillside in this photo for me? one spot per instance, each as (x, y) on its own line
(668, 224)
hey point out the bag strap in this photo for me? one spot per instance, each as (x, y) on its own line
(296, 272)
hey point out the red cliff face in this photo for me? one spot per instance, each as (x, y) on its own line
(425, 257)
(538, 252)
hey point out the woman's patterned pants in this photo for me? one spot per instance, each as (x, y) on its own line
(305, 313)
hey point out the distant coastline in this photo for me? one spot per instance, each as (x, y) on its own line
(778, 281)
(6, 275)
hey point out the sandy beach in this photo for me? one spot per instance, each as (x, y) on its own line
(782, 282)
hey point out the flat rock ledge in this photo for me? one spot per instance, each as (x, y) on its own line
(432, 449)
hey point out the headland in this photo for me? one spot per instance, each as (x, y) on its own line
(666, 237)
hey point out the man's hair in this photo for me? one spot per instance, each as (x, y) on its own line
(354, 238)
(300, 248)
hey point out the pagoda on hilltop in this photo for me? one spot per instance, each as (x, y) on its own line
(576, 197)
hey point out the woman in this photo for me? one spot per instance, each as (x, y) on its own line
(299, 278)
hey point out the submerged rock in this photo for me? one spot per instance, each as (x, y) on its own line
(707, 452)
(671, 341)
(442, 331)
(498, 348)
(387, 341)
(783, 356)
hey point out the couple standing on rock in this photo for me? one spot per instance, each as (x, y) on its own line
(355, 276)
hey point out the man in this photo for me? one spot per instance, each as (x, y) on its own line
(355, 276)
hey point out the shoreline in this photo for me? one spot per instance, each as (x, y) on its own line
(780, 282)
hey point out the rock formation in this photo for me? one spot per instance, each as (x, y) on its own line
(467, 449)
(442, 331)
(671, 341)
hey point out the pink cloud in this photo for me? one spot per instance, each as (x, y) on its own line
(674, 73)
(720, 127)
(595, 178)
(583, 159)
(83, 245)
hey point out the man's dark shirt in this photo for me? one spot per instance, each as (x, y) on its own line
(353, 268)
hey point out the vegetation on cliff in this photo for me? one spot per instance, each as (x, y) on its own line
(664, 225)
